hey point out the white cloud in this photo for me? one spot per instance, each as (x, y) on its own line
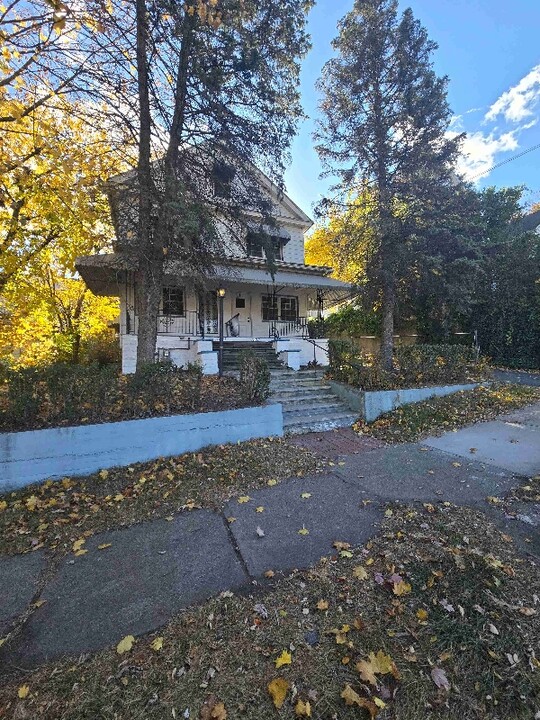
(518, 102)
(479, 151)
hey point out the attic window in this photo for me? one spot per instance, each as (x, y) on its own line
(223, 176)
(255, 246)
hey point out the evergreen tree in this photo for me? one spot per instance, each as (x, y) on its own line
(384, 122)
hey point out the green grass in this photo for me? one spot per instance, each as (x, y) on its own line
(225, 650)
(410, 423)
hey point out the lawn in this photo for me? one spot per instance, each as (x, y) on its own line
(436, 618)
(411, 423)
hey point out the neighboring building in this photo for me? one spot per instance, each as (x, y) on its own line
(256, 308)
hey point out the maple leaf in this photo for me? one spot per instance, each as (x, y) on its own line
(322, 605)
(439, 678)
(284, 659)
(125, 644)
(422, 614)
(272, 483)
(278, 690)
(401, 588)
(244, 499)
(360, 573)
(367, 672)
(303, 531)
(32, 502)
(23, 691)
(305, 496)
(3, 505)
(260, 509)
(157, 644)
(341, 545)
(77, 545)
(302, 709)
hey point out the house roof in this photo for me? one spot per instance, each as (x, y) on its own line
(104, 274)
(530, 222)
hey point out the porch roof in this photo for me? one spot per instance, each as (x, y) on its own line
(102, 273)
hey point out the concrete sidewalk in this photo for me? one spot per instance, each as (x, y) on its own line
(149, 572)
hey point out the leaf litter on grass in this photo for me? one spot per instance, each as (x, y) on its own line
(369, 652)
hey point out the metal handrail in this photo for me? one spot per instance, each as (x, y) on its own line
(284, 328)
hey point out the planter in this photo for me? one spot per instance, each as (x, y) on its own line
(36, 455)
(372, 404)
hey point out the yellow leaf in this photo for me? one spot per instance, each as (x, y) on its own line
(244, 499)
(360, 573)
(23, 691)
(269, 574)
(351, 698)
(278, 690)
(77, 545)
(103, 474)
(322, 605)
(230, 520)
(260, 509)
(3, 505)
(80, 552)
(401, 588)
(119, 497)
(157, 644)
(284, 659)
(272, 483)
(302, 709)
(388, 513)
(422, 614)
(367, 672)
(125, 644)
(305, 496)
(303, 531)
(219, 712)
(103, 546)
(379, 703)
(31, 503)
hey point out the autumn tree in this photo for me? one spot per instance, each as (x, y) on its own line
(384, 122)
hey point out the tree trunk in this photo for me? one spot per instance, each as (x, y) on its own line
(150, 266)
(387, 339)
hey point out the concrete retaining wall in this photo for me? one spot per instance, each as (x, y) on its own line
(372, 404)
(33, 456)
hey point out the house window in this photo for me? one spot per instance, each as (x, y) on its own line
(173, 301)
(289, 309)
(240, 303)
(223, 176)
(255, 246)
(269, 308)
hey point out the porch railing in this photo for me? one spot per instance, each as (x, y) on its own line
(288, 328)
(187, 325)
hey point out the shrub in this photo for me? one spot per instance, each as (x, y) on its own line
(414, 366)
(254, 377)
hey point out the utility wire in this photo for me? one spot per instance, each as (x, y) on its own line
(503, 162)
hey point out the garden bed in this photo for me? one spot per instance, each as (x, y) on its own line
(69, 396)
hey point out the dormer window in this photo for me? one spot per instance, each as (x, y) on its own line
(255, 248)
(223, 176)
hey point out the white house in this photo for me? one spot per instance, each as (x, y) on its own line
(258, 310)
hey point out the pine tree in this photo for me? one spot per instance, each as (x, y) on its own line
(384, 125)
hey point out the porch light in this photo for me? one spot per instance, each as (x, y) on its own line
(221, 292)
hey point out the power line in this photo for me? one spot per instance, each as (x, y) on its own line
(503, 162)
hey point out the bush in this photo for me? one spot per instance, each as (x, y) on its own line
(254, 377)
(64, 394)
(414, 366)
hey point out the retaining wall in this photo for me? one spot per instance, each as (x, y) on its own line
(372, 404)
(36, 455)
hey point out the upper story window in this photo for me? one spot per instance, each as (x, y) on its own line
(223, 176)
(173, 301)
(255, 246)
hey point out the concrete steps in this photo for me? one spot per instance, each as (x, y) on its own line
(308, 402)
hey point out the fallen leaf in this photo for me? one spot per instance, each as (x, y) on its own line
(77, 545)
(351, 698)
(103, 474)
(157, 644)
(422, 614)
(3, 505)
(103, 546)
(302, 709)
(528, 612)
(401, 588)
(439, 678)
(80, 552)
(278, 690)
(341, 545)
(322, 605)
(125, 644)
(260, 509)
(284, 659)
(260, 532)
(243, 499)
(305, 496)
(303, 531)
(269, 574)
(272, 483)
(389, 512)
(456, 464)
(493, 629)
(219, 712)
(360, 573)
(23, 691)
(230, 520)
(367, 672)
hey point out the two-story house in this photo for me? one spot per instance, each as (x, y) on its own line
(258, 309)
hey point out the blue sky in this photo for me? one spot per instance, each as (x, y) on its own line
(490, 50)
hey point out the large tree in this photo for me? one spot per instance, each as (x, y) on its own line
(384, 124)
(211, 89)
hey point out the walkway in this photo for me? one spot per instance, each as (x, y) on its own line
(148, 572)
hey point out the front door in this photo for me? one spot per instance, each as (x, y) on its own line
(208, 312)
(241, 306)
